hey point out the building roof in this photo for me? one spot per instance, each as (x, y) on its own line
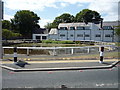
(53, 31)
(40, 31)
(110, 23)
(73, 24)
(105, 23)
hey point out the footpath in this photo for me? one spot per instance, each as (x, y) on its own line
(55, 63)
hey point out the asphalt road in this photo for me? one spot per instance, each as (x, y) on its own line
(102, 78)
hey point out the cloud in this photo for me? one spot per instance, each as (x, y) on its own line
(29, 4)
(39, 4)
(77, 1)
(107, 8)
(64, 4)
(7, 17)
(44, 22)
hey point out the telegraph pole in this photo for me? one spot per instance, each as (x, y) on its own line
(1, 17)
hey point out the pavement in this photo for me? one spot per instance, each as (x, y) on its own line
(55, 65)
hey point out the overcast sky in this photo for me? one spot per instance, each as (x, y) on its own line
(47, 10)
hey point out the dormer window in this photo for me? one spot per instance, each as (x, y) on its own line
(72, 28)
(107, 28)
(80, 28)
(63, 28)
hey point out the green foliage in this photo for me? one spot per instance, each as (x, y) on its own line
(46, 41)
(64, 18)
(6, 24)
(57, 42)
(50, 25)
(86, 16)
(77, 42)
(117, 30)
(7, 34)
(65, 42)
(24, 22)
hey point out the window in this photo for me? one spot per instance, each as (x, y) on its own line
(80, 35)
(108, 35)
(107, 28)
(87, 28)
(80, 28)
(72, 28)
(62, 35)
(71, 35)
(87, 35)
(38, 37)
(44, 37)
(63, 28)
(97, 35)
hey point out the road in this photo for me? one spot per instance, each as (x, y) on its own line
(101, 78)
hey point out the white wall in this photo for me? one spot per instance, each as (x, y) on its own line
(77, 35)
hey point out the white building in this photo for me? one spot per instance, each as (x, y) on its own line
(82, 31)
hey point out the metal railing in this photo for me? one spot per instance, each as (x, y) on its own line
(59, 50)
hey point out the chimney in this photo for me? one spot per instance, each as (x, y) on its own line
(101, 22)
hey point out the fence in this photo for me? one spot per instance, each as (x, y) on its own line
(56, 50)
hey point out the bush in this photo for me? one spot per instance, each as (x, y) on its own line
(46, 41)
(77, 42)
(66, 42)
(58, 42)
(7, 34)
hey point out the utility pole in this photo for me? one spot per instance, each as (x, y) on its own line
(1, 17)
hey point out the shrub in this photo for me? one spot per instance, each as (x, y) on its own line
(77, 42)
(57, 42)
(46, 41)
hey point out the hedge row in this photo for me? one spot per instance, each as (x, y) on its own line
(58, 42)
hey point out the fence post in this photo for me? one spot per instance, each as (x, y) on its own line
(88, 50)
(3, 52)
(72, 51)
(15, 54)
(54, 52)
(27, 51)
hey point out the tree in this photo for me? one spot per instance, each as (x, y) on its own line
(7, 34)
(50, 25)
(24, 22)
(117, 31)
(64, 18)
(87, 15)
(6, 24)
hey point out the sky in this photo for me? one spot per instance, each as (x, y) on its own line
(47, 10)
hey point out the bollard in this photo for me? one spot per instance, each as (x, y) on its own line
(101, 55)
(15, 54)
